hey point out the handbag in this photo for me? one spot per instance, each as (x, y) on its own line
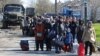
(61, 44)
(58, 43)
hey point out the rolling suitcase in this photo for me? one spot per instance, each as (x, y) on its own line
(24, 45)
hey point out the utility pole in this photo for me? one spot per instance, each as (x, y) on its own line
(56, 12)
(85, 11)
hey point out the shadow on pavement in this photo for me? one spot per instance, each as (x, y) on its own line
(46, 53)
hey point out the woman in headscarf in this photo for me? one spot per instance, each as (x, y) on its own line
(89, 37)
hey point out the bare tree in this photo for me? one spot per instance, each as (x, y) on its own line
(95, 5)
(43, 6)
(13, 1)
(3, 2)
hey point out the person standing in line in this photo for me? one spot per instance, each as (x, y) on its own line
(57, 28)
(25, 26)
(32, 26)
(68, 40)
(39, 35)
(73, 27)
(47, 31)
(89, 37)
(80, 30)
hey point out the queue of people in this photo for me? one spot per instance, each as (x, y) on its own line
(60, 28)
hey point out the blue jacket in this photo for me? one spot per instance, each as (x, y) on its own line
(69, 38)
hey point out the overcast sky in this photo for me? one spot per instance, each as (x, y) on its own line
(27, 2)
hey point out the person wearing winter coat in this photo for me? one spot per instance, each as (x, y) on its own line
(68, 40)
(89, 37)
(39, 35)
(73, 27)
(32, 26)
(25, 26)
(47, 31)
(80, 30)
(57, 29)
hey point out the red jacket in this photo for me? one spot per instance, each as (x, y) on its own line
(39, 31)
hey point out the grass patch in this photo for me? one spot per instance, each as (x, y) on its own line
(97, 29)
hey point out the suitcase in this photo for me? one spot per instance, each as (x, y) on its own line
(81, 50)
(24, 45)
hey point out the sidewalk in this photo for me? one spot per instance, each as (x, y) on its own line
(14, 49)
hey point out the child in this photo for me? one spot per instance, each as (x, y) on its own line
(68, 39)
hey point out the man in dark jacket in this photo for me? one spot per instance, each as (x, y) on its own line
(25, 26)
(73, 27)
(47, 31)
(80, 30)
(32, 26)
(57, 28)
